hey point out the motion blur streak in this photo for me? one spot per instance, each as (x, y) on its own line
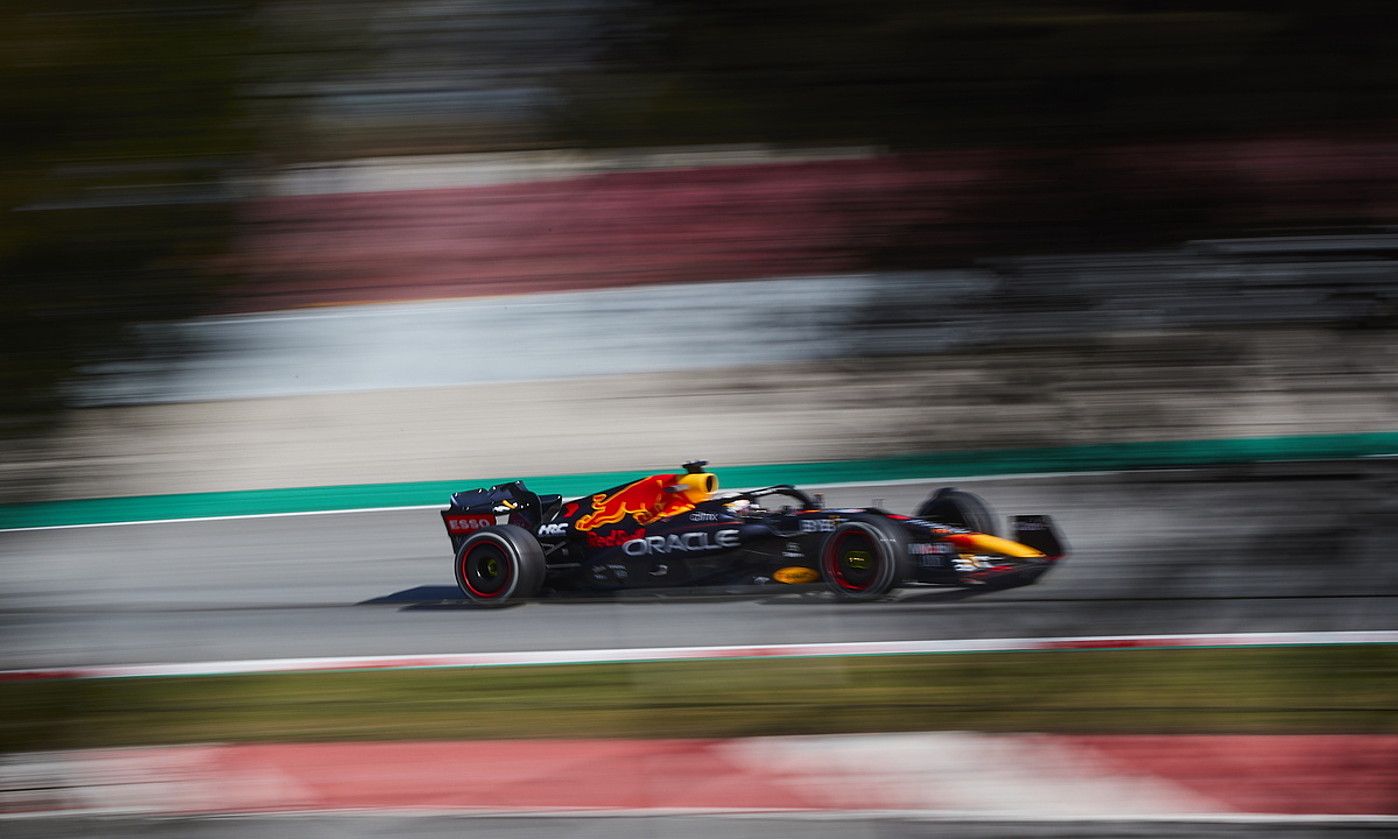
(1161, 553)
(262, 244)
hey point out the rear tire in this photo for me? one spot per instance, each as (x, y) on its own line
(960, 508)
(499, 565)
(864, 559)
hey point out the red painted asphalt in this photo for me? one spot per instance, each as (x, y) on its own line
(1335, 774)
(585, 774)
(952, 772)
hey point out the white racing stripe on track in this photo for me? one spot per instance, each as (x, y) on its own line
(961, 771)
(861, 648)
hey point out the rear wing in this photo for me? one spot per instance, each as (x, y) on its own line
(507, 503)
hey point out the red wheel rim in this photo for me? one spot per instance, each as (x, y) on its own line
(487, 570)
(852, 560)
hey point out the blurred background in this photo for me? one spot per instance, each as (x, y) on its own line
(302, 243)
(299, 243)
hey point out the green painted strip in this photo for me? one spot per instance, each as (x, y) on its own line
(1109, 456)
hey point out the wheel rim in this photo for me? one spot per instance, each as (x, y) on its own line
(852, 560)
(487, 570)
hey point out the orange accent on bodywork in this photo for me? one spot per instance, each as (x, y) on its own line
(993, 544)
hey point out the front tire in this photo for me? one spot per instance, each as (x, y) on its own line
(499, 565)
(960, 508)
(864, 559)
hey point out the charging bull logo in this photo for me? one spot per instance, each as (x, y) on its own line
(644, 500)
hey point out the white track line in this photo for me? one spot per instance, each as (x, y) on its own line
(861, 648)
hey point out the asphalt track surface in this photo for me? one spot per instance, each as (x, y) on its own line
(1238, 549)
(756, 826)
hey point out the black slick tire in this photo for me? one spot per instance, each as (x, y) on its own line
(960, 508)
(499, 565)
(864, 559)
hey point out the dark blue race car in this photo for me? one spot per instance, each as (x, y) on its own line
(677, 530)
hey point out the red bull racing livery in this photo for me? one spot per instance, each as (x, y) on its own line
(677, 531)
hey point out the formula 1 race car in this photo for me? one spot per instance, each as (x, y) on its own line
(675, 530)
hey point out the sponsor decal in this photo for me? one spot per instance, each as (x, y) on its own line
(818, 525)
(641, 500)
(682, 542)
(554, 530)
(930, 548)
(792, 551)
(467, 524)
(796, 575)
(703, 516)
(660, 570)
(972, 562)
(931, 555)
(615, 538)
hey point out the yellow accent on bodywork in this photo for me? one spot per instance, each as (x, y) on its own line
(995, 544)
(698, 486)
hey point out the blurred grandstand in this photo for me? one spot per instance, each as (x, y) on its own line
(1203, 186)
